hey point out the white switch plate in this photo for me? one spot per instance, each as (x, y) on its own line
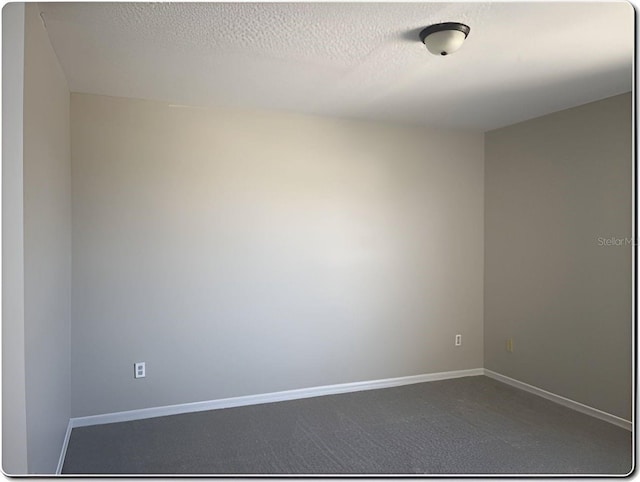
(139, 370)
(458, 340)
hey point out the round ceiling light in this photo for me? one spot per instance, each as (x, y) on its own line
(444, 38)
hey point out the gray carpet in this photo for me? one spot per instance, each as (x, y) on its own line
(472, 425)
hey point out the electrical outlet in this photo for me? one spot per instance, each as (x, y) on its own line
(458, 340)
(139, 370)
(510, 345)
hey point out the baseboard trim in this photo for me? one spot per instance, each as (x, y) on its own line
(255, 400)
(567, 402)
(326, 390)
(267, 398)
(65, 444)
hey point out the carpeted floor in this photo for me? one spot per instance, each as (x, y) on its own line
(472, 425)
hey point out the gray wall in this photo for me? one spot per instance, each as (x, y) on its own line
(556, 188)
(14, 425)
(47, 247)
(248, 252)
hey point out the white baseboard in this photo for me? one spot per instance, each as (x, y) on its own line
(267, 398)
(326, 390)
(65, 444)
(580, 407)
(254, 400)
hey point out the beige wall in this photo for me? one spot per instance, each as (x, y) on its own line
(47, 247)
(556, 188)
(247, 252)
(14, 425)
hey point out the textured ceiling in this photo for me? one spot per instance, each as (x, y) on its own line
(356, 60)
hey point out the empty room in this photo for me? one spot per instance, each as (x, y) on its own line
(318, 238)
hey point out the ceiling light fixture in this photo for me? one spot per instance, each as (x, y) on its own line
(444, 38)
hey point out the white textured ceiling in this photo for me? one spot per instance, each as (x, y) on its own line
(361, 60)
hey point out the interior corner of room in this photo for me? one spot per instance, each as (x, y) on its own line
(324, 226)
